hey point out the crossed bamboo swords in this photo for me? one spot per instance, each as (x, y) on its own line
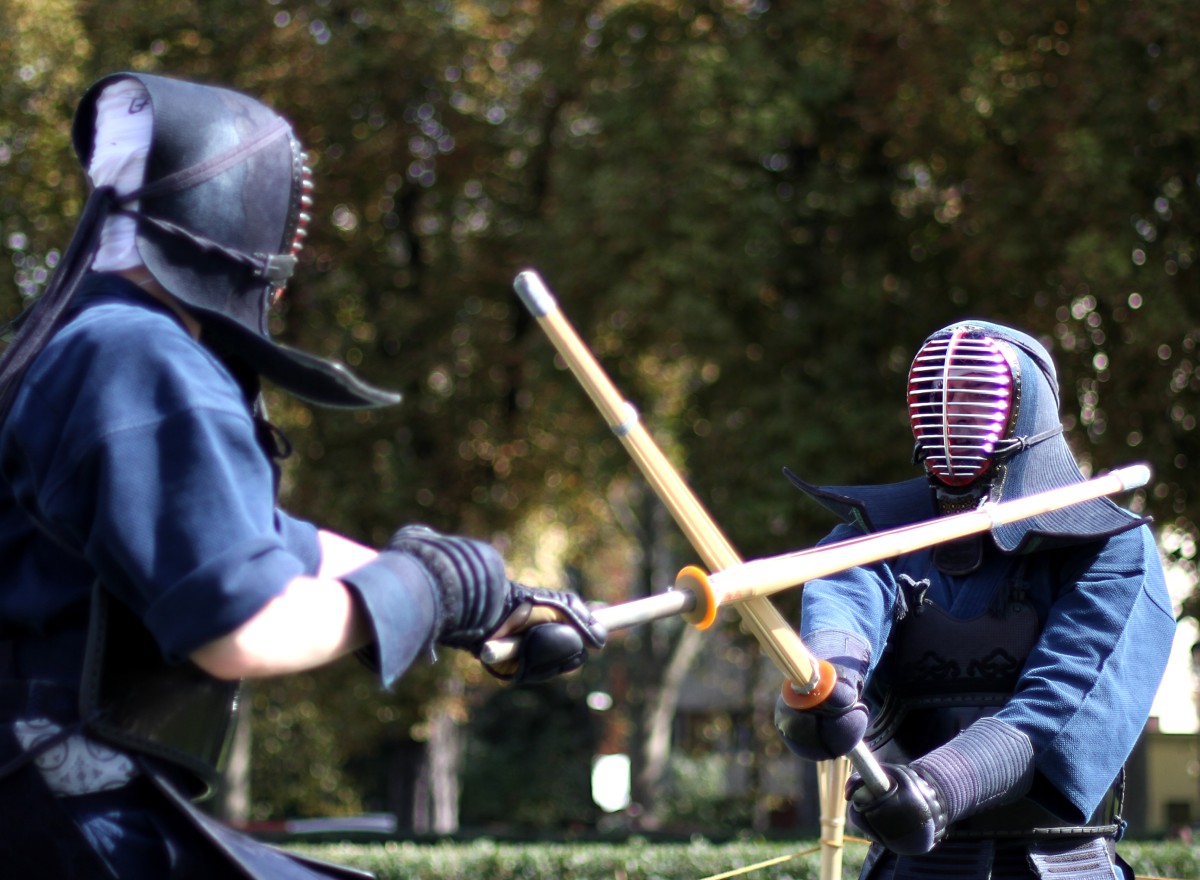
(746, 586)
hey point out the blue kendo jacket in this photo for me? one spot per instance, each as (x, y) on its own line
(1086, 689)
(130, 456)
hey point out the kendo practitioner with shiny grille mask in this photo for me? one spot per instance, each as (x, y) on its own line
(1002, 679)
(144, 565)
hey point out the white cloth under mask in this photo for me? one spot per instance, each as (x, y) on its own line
(124, 124)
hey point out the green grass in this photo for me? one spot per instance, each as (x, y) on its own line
(637, 860)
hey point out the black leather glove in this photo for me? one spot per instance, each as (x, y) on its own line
(988, 764)
(474, 594)
(547, 650)
(425, 587)
(908, 819)
(836, 725)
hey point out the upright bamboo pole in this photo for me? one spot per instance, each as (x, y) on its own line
(831, 783)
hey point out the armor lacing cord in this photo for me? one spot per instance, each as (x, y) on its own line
(275, 268)
(1009, 448)
(1004, 449)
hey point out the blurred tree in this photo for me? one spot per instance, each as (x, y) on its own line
(43, 49)
(528, 761)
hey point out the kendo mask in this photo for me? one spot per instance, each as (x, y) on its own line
(964, 394)
(984, 406)
(220, 218)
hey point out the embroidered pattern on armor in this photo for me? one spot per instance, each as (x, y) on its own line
(933, 668)
(997, 665)
(77, 765)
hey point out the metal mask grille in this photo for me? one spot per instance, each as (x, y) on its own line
(961, 396)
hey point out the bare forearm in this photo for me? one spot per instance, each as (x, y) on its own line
(313, 622)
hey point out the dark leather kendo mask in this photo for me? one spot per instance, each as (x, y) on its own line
(220, 219)
(984, 407)
(1009, 445)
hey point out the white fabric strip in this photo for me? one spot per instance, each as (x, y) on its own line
(76, 765)
(124, 123)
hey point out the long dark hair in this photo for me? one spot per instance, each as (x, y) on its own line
(32, 329)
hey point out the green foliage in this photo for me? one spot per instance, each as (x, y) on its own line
(697, 795)
(42, 48)
(298, 759)
(323, 742)
(528, 761)
(636, 860)
(756, 212)
(1171, 859)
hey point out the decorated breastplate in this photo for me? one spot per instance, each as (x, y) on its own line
(942, 673)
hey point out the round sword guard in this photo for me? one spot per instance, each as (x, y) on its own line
(826, 679)
(694, 578)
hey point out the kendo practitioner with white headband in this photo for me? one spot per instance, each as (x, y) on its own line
(144, 565)
(1001, 679)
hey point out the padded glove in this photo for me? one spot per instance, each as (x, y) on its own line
(425, 588)
(908, 819)
(988, 764)
(474, 594)
(547, 650)
(836, 725)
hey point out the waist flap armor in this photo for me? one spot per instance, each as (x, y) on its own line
(940, 675)
(130, 697)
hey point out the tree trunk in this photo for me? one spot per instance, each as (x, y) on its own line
(763, 677)
(232, 801)
(663, 667)
(406, 765)
(659, 719)
(445, 759)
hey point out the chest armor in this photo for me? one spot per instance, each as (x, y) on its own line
(941, 673)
